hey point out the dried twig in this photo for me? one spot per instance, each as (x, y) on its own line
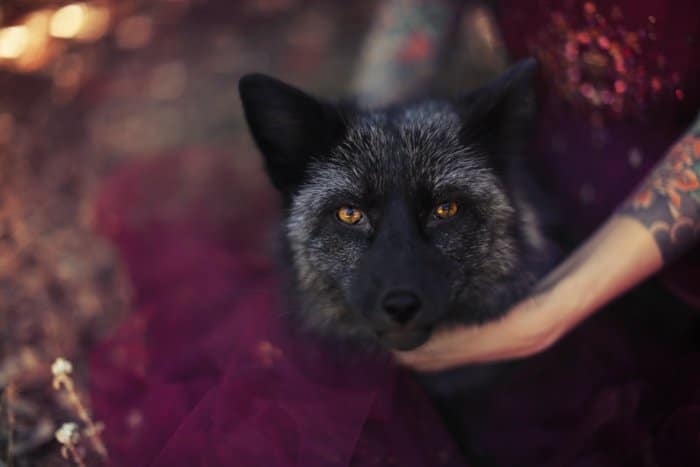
(9, 398)
(62, 370)
(69, 436)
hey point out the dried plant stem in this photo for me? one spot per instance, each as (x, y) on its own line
(69, 450)
(93, 430)
(9, 398)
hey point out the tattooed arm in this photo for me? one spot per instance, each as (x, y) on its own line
(403, 48)
(659, 222)
(668, 202)
(414, 46)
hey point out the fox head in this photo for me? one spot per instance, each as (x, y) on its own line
(404, 219)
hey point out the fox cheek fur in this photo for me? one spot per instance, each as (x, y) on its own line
(401, 271)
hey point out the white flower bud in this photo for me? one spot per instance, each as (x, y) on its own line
(68, 433)
(61, 367)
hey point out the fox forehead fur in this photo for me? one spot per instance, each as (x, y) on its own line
(396, 165)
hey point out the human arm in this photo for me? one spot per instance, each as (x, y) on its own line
(657, 223)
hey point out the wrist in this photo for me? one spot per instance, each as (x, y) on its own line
(618, 256)
(564, 303)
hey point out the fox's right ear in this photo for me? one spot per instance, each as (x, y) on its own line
(290, 127)
(501, 115)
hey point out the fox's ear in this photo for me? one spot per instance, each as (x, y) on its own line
(500, 116)
(290, 127)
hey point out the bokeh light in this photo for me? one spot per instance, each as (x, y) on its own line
(96, 24)
(38, 50)
(13, 41)
(134, 32)
(68, 21)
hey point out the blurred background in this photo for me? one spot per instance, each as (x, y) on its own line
(96, 89)
(89, 88)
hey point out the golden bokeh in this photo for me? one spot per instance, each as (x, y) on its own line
(67, 22)
(38, 50)
(14, 41)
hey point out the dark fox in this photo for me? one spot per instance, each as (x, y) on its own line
(402, 220)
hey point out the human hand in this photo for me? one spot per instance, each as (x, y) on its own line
(530, 327)
(619, 255)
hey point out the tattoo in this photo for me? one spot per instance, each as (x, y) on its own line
(403, 49)
(668, 201)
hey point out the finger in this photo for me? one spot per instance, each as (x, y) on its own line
(409, 358)
(417, 362)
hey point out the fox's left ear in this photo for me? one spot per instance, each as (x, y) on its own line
(290, 127)
(501, 114)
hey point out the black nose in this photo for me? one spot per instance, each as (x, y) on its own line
(402, 306)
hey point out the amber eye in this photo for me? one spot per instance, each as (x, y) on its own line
(445, 210)
(349, 215)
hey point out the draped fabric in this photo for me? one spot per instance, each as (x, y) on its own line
(618, 86)
(207, 371)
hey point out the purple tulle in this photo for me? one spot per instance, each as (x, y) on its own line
(207, 372)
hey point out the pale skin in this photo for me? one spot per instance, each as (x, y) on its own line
(660, 221)
(632, 245)
(618, 256)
